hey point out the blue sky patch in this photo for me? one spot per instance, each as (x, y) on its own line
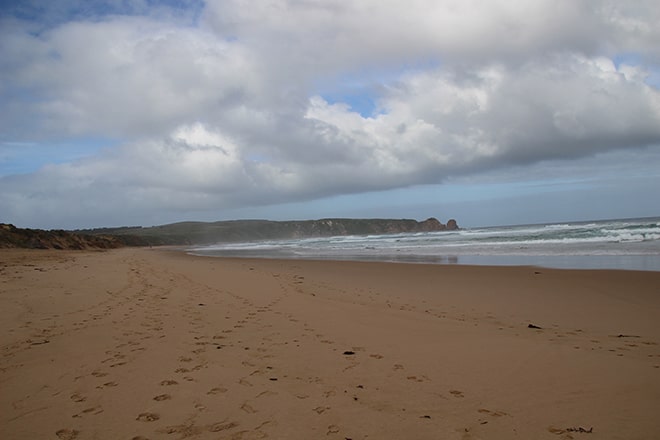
(27, 157)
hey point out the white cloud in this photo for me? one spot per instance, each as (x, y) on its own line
(546, 109)
(125, 76)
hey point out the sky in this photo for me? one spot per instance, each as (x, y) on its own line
(145, 112)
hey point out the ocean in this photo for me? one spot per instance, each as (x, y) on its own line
(628, 244)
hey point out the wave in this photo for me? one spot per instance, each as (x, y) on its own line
(620, 236)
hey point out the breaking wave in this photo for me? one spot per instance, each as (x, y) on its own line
(625, 239)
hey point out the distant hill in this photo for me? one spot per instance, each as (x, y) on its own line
(186, 233)
(196, 233)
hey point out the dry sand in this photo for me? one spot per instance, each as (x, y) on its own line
(154, 344)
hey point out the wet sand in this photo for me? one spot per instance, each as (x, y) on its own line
(154, 344)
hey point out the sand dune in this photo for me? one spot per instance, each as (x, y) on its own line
(154, 344)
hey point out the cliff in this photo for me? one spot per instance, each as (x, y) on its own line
(187, 233)
(195, 233)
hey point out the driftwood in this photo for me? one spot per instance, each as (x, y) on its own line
(581, 429)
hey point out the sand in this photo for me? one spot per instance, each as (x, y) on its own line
(155, 344)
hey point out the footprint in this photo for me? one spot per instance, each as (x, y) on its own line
(169, 382)
(147, 417)
(67, 434)
(456, 393)
(248, 409)
(94, 411)
(418, 379)
(161, 397)
(222, 426)
(492, 413)
(187, 430)
(217, 390)
(107, 384)
(78, 398)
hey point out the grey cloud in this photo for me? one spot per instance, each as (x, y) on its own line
(226, 114)
(335, 35)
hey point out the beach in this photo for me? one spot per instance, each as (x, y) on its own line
(157, 344)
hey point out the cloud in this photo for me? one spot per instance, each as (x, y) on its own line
(120, 78)
(336, 34)
(227, 109)
(447, 123)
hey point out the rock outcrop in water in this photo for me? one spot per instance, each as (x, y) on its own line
(193, 233)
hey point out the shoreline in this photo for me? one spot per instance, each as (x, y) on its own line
(635, 263)
(156, 343)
